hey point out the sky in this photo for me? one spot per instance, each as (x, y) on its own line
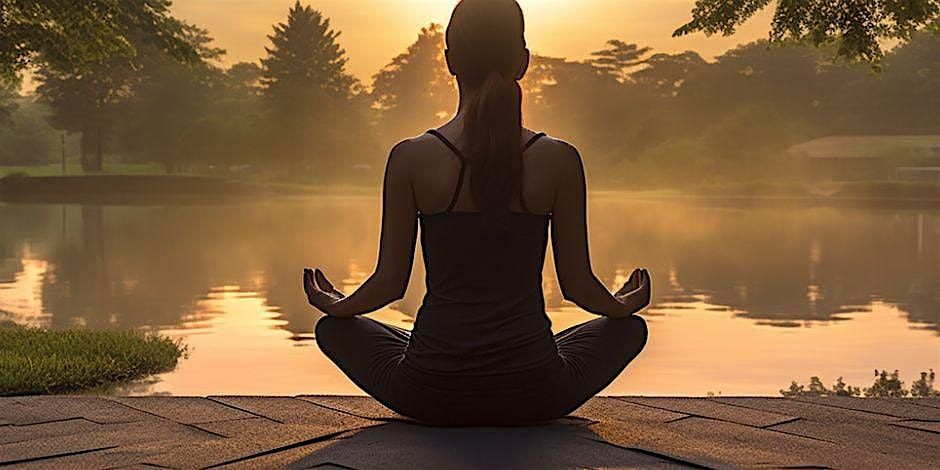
(375, 31)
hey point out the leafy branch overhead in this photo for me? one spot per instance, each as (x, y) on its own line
(857, 27)
(70, 35)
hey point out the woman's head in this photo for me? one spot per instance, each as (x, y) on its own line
(486, 37)
(486, 51)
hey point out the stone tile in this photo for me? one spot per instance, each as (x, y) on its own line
(714, 410)
(606, 409)
(294, 411)
(898, 407)
(363, 407)
(803, 409)
(929, 426)
(250, 442)
(931, 402)
(187, 410)
(54, 432)
(18, 433)
(37, 409)
(410, 446)
(6, 402)
(916, 447)
(107, 458)
(281, 459)
(719, 444)
(107, 437)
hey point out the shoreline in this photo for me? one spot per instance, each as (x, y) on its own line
(116, 189)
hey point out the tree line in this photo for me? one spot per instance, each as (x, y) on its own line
(639, 117)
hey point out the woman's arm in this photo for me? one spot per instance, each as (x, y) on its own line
(572, 258)
(396, 251)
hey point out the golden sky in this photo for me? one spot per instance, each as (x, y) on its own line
(374, 31)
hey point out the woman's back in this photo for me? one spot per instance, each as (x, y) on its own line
(483, 313)
(434, 170)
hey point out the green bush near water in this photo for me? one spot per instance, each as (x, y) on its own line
(37, 361)
(886, 385)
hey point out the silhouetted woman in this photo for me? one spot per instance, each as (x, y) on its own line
(485, 191)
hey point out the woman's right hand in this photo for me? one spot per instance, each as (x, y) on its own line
(320, 292)
(636, 292)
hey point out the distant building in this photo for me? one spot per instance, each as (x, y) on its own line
(880, 157)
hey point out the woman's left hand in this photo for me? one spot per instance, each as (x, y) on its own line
(320, 292)
(636, 292)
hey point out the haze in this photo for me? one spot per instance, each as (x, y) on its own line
(374, 31)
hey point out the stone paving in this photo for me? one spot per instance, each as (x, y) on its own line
(358, 433)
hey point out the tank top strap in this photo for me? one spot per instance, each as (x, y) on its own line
(463, 167)
(532, 141)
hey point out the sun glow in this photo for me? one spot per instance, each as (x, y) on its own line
(375, 31)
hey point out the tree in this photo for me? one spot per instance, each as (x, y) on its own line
(619, 58)
(857, 27)
(665, 74)
(165, 115)
(72, 35)
(28, 139)
(305, 65)
(87, 102)
(415, 90)
(8, 94)
(306, 86)
(85, 90)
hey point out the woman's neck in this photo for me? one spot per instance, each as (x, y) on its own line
(465, 96)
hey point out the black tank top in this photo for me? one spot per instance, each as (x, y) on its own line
(483, 313)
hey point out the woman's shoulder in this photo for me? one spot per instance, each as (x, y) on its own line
(547, 150)
(554, 152)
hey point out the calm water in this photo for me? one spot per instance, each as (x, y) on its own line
(746, 298)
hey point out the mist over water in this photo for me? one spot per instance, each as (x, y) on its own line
(746, 296)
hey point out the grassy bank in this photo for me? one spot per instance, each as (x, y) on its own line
(107, 188)
(875, 190)
(74, 169)
(36, 361)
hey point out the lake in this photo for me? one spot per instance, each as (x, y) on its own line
(747, 297)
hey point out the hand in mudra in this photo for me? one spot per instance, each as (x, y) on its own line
(320, 292)
(636, 291)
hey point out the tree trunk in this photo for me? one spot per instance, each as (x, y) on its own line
(91, 150)
(99, 160)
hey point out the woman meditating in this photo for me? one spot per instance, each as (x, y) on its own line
(485, 192)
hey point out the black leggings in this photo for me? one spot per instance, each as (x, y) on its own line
(590, 356)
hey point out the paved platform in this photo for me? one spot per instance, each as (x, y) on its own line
(358, 433)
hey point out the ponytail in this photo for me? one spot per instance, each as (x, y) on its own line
(493, 128)
(486, 44)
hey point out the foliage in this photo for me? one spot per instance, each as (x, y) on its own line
(28, 139)
(306, 86)
(167, 112)
(8, 95)
(856, 27)
(619, 58)
(924, 386)
(639, 118)
(305, 65)
(36, 361)
(415, 90)
(886, 385)
(87, 99)
(69, 36)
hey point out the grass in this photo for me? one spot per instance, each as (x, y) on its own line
(37, 361)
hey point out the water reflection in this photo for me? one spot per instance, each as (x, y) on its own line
(786, 284)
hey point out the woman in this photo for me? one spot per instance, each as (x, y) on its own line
(485, 191)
